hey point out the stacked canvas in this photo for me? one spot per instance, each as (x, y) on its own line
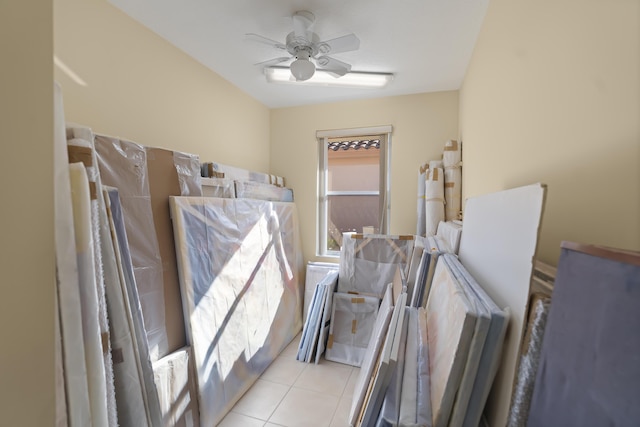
(450, 232)
(421, 224)
(316, 271)
(465, 330)
(316, 326)
(258, 190)
(433, 247)
(240, 277)
(218, 187)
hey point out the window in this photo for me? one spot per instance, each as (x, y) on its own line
(353, 184)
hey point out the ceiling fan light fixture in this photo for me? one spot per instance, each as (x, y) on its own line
(302, 69)
(323, 78)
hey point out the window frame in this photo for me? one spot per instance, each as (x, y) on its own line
(384, 192)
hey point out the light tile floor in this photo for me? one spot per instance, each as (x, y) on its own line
(295, 394)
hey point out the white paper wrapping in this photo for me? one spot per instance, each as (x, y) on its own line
(452, 160)
(176, 392)
(450, 232)
(352, 324)
(434, 200)
(240, 276)
(369, 262)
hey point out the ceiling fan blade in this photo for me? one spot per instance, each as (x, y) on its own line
(273, 61)
(302, 21)
(333, 66)
(260, 39)
(340, 44)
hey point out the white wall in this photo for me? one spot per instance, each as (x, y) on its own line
(421, 125)
(26, 217)
(552, 94)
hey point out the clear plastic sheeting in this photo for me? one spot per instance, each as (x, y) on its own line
(352, 324)
(176, 390)
(188, 170)
(369, 262)
(218, 187)
(261, 191)
(240, 270)
(123, 164)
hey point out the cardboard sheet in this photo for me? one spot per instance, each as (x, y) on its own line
(497, 247)
(590, 349)
(352, 323)
(240, 275)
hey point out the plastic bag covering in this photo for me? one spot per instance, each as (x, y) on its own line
(68, 288)
(240, 270)
(528, 368)
(188, 169)
(316, 271)
(450, 327)
(450, 232)
(176, 389)
(130, 295)
(452, 161)
(422, 174)
(218, 187)
(123, 164)
(390, 410)
(371, 355)
(434, 200)
(238, 174)
(261, 191)
(368, 263)
(352, 324)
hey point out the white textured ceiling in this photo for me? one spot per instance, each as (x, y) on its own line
(426, 44)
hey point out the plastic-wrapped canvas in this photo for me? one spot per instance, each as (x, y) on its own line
(240, 268)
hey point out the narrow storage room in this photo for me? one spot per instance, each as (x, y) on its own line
(320, 214)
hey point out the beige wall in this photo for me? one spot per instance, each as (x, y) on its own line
(140, 87)
(421, 125)
(552, 94)
(26, 217)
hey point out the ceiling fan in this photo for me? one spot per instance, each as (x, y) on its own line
(305, 47)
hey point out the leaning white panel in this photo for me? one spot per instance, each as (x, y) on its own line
(240, 277)
(175, 392)
(502, 264)
(316, 271)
